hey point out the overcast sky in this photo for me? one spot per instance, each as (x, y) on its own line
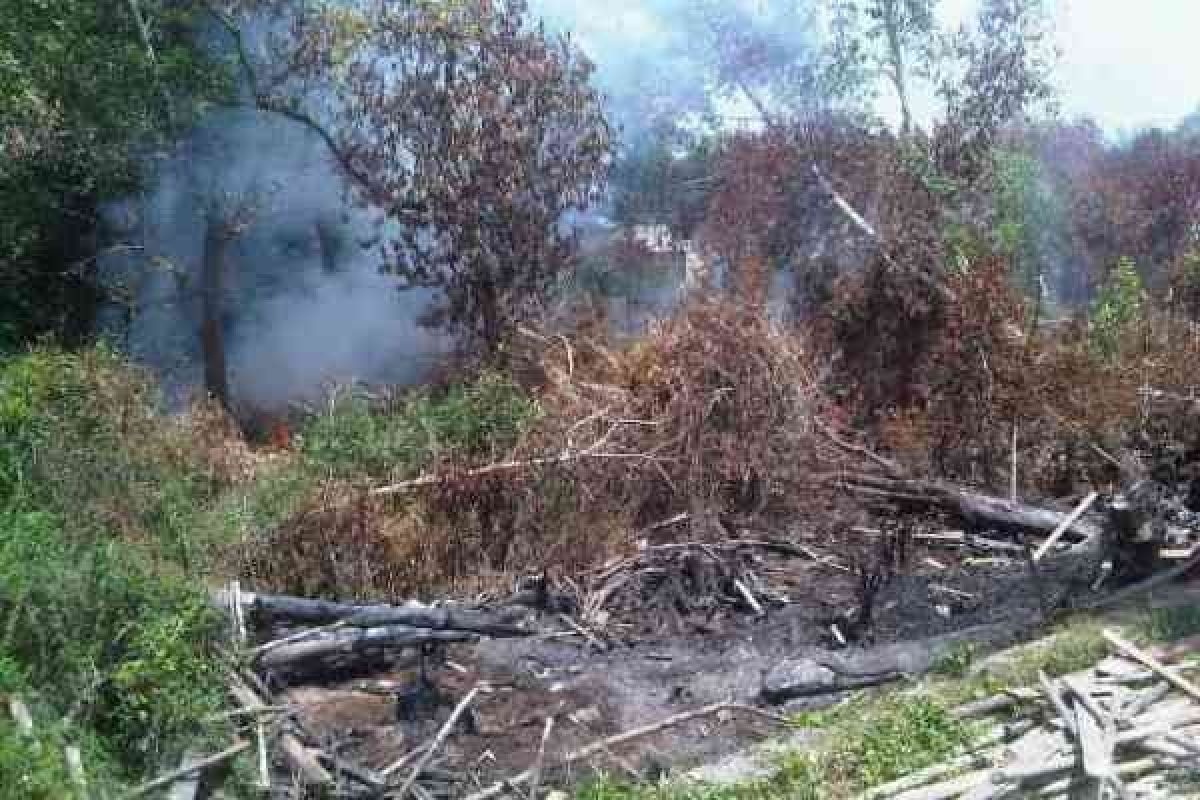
(1126, 64)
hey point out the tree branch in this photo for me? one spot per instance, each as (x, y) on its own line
(263, 102)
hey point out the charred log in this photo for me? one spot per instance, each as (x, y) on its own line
(266, 609)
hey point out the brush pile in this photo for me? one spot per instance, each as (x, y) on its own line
(712, 410)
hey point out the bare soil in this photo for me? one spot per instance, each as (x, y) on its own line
(652, 662)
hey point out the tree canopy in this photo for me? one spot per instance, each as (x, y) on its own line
(473, 132)
(83, 84)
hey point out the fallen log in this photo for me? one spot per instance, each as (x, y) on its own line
(818, 672)
(1005, 515)
(307, 611)
(357, 640)
(983, 511)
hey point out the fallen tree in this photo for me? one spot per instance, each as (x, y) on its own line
(978, 510)
(266, 608)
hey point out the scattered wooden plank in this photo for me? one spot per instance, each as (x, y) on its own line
(1065, 525)
(253, 705)
(438, 740)
(1095, 742)
(1056, 702)
(186, 787)
(750, 599)
(1137, 654)
(536, 779)
(917, 784)
(198, 765)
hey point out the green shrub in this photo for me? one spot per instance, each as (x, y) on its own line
(1117, 307)
(956, 663)
(32, 768)
(98, 625)
(478, 421)
(35, 767)
(82, 436)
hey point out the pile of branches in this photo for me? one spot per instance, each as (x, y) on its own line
(713, 409)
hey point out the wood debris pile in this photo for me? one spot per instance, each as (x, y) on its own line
(679, 586)
(1129, 727)
(314, 639)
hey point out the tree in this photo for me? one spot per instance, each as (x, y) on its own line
(892, 39)
(473, 132)
(766, 52)
(663, 177)
(1002, 72)
(81, 83)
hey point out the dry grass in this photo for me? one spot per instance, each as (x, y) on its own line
(1079, 416)
(712, 409)
(710, 414)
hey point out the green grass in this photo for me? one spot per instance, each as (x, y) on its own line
(1074, 645)
(1169, 624)
(356, 441)
(898, 736)
(112, 523)
(957, 663)
(867, 742)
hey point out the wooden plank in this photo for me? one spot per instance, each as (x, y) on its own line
(1170, 676)
(1065, 525)
(196, 766)
(187, 786)
(1095, 743)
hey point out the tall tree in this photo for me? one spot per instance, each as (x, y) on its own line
(894, 40)
(767, 52)
(472, 131)
(1003, 68)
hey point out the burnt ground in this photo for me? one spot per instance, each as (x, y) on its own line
(647, 659)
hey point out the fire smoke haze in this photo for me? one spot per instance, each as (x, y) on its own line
(303, 321)
(1126, 66)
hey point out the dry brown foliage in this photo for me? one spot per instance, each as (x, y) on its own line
(711, 410)
(984, 372)
(711, 413)
(219, 444)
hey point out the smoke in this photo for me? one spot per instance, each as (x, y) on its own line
(678, 61)
(353, 327)
(304, 302)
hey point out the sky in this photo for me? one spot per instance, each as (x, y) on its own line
(1126, 64)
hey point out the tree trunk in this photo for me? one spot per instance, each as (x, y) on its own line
(327, 241)
(489, 315)
(898, 73)
(212, 330)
